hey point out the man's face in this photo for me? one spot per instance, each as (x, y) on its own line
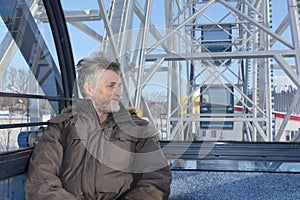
(107, 92)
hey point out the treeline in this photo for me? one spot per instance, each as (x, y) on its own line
(14, 80)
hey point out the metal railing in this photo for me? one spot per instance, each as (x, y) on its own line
(14, 163)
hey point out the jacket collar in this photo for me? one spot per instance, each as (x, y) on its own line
(86, 107)
(86, 113)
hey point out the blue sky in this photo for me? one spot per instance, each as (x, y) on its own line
(83, 45)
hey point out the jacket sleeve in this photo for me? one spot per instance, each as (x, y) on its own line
(42, 176)
(151, 185)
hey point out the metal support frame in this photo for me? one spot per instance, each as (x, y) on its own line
(260, 54)
(253, 44)
(63, 47)
(20, 22)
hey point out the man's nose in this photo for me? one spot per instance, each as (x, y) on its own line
(118, 91)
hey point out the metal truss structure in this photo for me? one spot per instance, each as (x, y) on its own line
(183, 43)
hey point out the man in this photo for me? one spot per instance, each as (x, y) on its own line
(97, 149)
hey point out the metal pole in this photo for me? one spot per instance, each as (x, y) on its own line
(138, 91)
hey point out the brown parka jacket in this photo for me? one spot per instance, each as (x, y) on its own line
(80, 158)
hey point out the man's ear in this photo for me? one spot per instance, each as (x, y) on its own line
(89, 91)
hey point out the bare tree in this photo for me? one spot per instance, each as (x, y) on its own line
(3, 81)
(23, 81)
(157, 103)
(18, 79)
(12, 76)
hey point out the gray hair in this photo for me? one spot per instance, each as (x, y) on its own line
(89, 69)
